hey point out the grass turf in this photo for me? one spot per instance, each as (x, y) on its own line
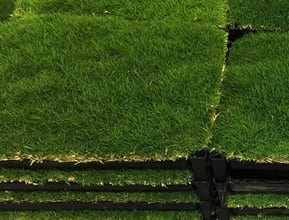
(106, 86)
(107, 215)
(260, 14)
(250, 200)
(150, 197)
(254, 114)
(263, 217)
(146, 177)
(212, 11)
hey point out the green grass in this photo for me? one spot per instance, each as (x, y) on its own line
(260, 14)
(101, 215)
(254, 110)
(212, 11)
(104, 80)
(147, 177)
(263, 217)
(250, 200)
(150, 197)
(106, 86)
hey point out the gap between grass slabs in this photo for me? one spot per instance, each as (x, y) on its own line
(259, 14)
(101, 215)
(106, 87)
(210, 11)
(125, 177)
(254, 106)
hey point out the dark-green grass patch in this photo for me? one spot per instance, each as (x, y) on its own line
(258, 200)
(101, 215)
(94, 197)
(7, 8)
(83, 85)
(213, 11)
(259, 14)
(254, 109)
(260, 216)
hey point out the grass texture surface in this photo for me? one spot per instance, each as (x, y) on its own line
(260, 14)
(211, 11)
(106, 86)
(254, 106)
(263, 217)
(146, 177)
(150, 197)
(101, 215)
(250, 200)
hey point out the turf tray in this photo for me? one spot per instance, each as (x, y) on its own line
(106, 87)
(254, 105)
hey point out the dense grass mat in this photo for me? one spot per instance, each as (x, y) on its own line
(82, 85)
(260, 14)
(146, 177)
(212, 11)
(101, 215)
(97, 197)
(251, 200)
(263, 217)
(254, 110)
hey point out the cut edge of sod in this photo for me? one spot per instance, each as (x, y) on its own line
(75, 158)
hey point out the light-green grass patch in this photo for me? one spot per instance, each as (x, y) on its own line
(254, 109)
(101, 215)
(260, 14)
(212, 11)
(107, 87)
